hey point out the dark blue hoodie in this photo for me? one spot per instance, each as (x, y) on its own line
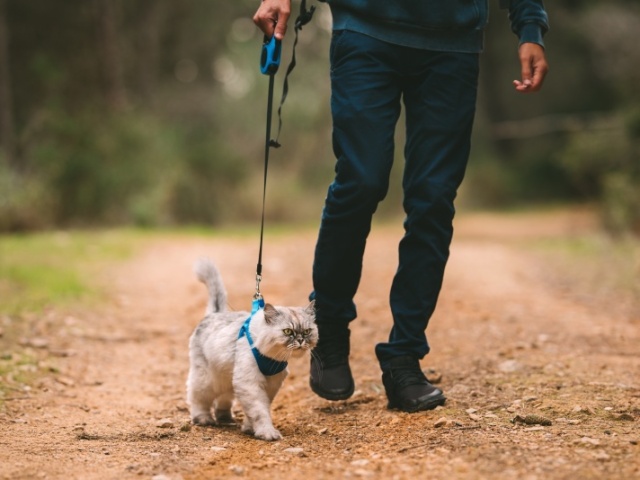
(441, 25)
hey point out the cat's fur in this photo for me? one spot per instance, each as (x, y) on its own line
(222, 365)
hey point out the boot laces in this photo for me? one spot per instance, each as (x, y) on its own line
(407, 375)
(333, 352)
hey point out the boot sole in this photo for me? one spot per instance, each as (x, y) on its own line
(428, 404)
(332, 395)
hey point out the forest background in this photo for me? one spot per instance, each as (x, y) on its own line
(152, 113)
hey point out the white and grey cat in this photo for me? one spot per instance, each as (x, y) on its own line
(223, 365)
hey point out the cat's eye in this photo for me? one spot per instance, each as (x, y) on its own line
(287, 331)
(306, 332)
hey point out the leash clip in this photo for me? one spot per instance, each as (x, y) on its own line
(270, 58)
(258, 295)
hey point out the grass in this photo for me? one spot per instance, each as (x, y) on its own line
(56, 269)
(596, 265)
(42, 271)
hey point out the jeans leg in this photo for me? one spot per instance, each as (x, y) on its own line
(365, 105)
(440, 107)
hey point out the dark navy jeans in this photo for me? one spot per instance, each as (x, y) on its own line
(369, 79)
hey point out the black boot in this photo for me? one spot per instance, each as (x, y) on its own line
(330, 372)
(407, 388)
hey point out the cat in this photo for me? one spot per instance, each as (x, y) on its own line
(227, 355)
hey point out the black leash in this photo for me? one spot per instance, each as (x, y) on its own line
(269, 63)
(304, 17)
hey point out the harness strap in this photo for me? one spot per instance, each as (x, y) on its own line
(267, 366)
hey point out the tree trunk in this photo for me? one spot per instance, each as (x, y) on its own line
(115, 94)
(148, 54)
(7, 132)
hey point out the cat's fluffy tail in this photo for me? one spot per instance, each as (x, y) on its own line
(208, 274)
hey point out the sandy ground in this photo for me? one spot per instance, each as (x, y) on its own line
(514, 347)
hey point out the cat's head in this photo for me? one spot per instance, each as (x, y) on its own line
(292, 328)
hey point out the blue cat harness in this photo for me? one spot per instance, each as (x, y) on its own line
(268, 366)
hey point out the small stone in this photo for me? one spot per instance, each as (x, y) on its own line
(510, 366)
(533, 429)
(590, 441)
(164, 423)
(602, 456)
(433, 376)
(441, 422)
(237, 469)
(360, 463)
(218, 449)
(294, 450)
(624, 417)
(581, 409)
(36, 342)
(361, 472)
(322, 431)
(475, 417)
(66, 381)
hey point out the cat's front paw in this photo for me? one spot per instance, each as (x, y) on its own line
(268, 434)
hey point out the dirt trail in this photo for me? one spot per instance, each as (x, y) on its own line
(506, 342)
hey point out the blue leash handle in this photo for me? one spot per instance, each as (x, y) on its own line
(270, 58)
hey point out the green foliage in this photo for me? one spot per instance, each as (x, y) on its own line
(186, 146)
(205, 189)
(127, 169)
(25, 202)
(606, 168)
(101, 170)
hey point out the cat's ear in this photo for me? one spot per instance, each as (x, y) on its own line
(270, 313)
(311, 309)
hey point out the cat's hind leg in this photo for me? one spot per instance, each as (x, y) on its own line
(200, 396)
(223, 409)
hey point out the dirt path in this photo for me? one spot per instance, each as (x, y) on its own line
(507, 342)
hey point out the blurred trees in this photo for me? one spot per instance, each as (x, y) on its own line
(152, 112)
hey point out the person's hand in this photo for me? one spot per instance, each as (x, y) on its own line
(272, 16)
(534, 68)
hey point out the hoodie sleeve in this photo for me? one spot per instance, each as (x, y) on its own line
(529, 20)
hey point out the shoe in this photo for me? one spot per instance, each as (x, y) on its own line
(331, 376)
(407, 387)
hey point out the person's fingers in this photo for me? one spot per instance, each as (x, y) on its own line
(533, 67)
(272, 18)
